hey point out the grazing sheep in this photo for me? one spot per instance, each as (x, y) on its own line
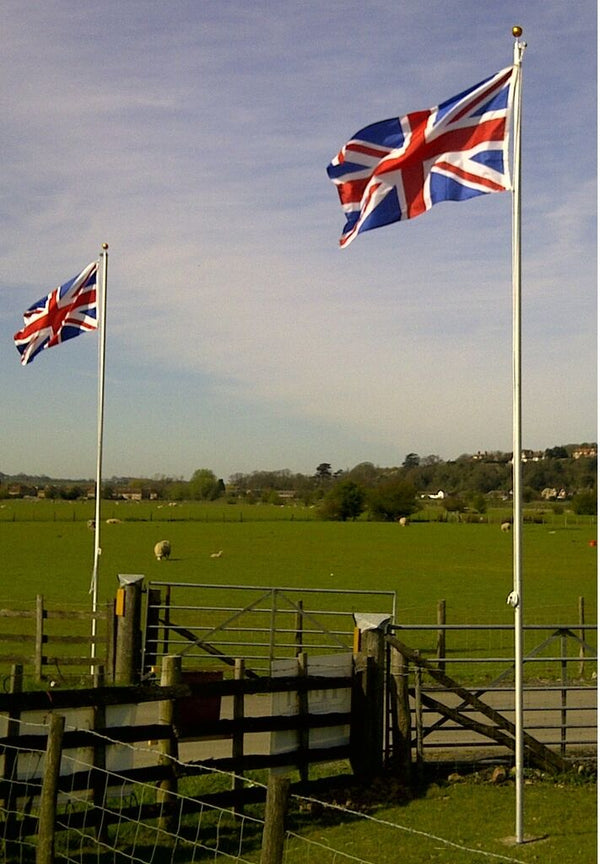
(113, 521)
(217, 554)
(403, 521)
(162, 549)
(91, 523)
(506, 526)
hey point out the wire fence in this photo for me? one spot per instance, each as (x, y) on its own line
(103, 816)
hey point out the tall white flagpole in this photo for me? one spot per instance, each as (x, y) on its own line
(516, 598)
(101, 307)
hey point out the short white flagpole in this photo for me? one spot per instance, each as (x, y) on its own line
(101, 311)
(516, 598)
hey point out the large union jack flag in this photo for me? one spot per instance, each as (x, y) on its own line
(399, 168)
(65, 313)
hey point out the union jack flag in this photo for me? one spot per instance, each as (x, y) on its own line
(65, 313)
(399, 168)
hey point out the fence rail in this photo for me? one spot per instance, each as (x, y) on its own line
(43, 647)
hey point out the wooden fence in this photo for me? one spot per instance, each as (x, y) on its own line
(188, 712)
(185, 713)
(35, 639)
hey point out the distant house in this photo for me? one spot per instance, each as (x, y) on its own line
(585, 453)
(548, 494)
(138, 494)
(131, 494)
(531, 455)
(21, 490)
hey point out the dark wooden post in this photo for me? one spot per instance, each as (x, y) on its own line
(275, 812)
(44, 853)
(400, 710)
(129, 637)
(368, 698)
(303, 731)
(170, 676)
(111, 639)
(441, 635)
(237, 743)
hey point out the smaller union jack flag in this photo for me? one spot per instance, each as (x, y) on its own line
(399, 168)
(65, 313)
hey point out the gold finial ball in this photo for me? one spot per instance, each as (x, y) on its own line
(517, 31)
(105, 246)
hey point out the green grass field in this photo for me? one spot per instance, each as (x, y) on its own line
(48, 548)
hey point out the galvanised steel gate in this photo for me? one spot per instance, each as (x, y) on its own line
(217, 624)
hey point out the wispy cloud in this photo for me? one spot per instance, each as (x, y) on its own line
(194, 138)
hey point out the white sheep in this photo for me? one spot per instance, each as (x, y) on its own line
(403, 521)
(113, 521)
(506, 526)
(217, 554)
(162, 549)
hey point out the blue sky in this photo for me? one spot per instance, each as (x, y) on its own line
(193, 136)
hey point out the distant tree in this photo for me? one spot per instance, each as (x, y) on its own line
(412, 460)
(556, 453)
(204, 486)
(346, 500)
(178, 490)
(432, 459)
(365, 474)
(392, 499)
(478, 503)
(585, 504)
(454, 505)
(324, 471)
(71, 493)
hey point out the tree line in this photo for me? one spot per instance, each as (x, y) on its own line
(559, 474)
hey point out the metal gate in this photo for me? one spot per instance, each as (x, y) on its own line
(217, 624)
(560, 694)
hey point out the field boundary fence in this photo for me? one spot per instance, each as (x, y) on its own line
(35, 639)
(57, 805)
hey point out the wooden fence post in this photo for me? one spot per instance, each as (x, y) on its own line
(237, 743)
(170, 676)
(44, 853)
(303, 731)
(275, 812)
(441, 635)
(129, 637)
(39, 637)
(368, 698)
(111, 637)
(400, 710)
